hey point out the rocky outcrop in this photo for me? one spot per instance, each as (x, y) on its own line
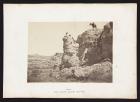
(88, 46)
(106, 41)
(95, 44)
(70, 48)
(97, 72)
(89, 58)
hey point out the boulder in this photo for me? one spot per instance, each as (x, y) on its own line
(98, 72)
(102, 72)
(70, 61)
(66, 72)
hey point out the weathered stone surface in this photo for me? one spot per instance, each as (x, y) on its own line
(95, 44)
(70, 48)
(100, 71)
(88, 46)
(66, 72)
(107, 41)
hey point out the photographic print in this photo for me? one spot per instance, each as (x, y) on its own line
(70, 51)
(74, 51)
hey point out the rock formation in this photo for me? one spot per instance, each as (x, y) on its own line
(106, 41)
(92, 46)
(95, 44)
(98, 72)
(70, 48)
(88, 45)
(88, 59)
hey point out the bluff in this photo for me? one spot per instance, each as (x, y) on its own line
(95, 44)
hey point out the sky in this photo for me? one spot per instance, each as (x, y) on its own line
(45, 38)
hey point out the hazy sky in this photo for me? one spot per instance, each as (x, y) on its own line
(45, 38)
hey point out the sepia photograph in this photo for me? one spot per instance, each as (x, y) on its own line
(74, 51)
(70, 51)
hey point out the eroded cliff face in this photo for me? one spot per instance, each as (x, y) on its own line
(95, 44)
(106, 40)
(92, 46)
(70, 48)
(90, 56)
(88, 46)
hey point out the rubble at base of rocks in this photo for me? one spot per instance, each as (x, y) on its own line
(100, 71)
